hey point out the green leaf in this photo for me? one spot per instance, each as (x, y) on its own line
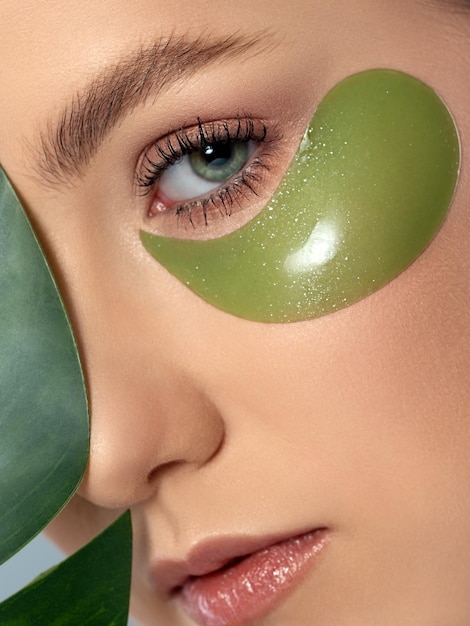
(44, 426)
(91, 587)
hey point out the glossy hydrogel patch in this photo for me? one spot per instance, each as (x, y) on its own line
(367, 190)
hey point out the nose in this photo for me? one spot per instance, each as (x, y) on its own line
(145, 422)
(150, 414)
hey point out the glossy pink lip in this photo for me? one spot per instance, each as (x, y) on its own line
(228, 582)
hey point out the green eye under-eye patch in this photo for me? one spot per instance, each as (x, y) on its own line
(364, 195)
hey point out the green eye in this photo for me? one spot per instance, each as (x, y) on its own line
(366, 192)
(219, 161)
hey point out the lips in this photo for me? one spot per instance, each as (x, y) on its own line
(229, 581)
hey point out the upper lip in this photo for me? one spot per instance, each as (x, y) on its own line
(210, 555)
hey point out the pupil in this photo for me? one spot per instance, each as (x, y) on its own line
(217, 155)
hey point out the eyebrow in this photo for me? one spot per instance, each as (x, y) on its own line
(461, 6)
(67, 144)
(457, 6)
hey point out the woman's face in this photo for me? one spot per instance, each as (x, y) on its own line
(224, 435)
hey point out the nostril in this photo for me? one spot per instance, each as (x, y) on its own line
(168, 467)
(164, 468)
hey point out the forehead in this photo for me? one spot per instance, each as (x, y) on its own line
(77, 37)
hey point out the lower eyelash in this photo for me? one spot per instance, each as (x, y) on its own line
(224, 198)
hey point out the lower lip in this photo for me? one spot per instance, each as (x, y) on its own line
(252, 587)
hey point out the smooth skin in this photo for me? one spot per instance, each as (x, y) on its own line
(205, 424)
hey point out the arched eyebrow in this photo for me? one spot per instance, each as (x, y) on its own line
(456, 6)
(68, 142)
(462, 6)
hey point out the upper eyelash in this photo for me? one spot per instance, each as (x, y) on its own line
(183, 142)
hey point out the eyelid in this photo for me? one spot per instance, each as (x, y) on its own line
(238, 197)
(170, 148)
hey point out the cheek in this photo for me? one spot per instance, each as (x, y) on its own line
(378, 390)
(365, 194)
(403, 394)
